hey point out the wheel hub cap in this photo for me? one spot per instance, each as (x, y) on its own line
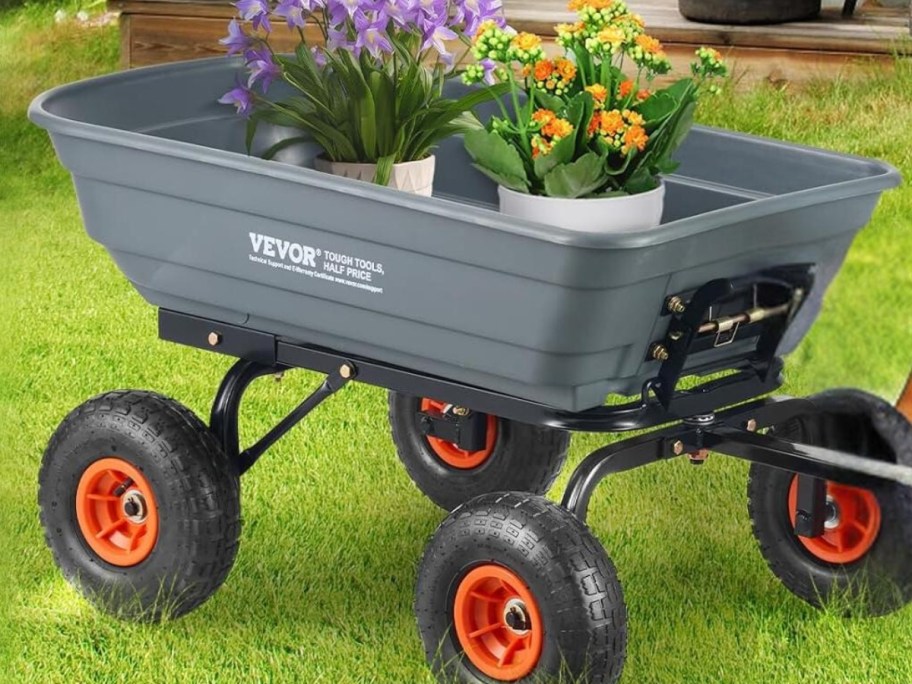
(498, 623)
(116, 512)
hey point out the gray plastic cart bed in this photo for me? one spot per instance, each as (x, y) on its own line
(444, 285)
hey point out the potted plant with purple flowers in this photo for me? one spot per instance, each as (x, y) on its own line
(370, 93)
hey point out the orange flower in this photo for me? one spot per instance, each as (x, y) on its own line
(610, 123)
(635, 138)
(633, 118)
(649, 44)
(594, 123)
(543, 70)
(543, 116)
(526, 41)
(565, 69)
(598, 92)
(611, 35)
(713, 54)
(576, 5)
(625, 89)
(484, 27)
(540, 146)
(643, 94)
(557, 129)
(569, 29)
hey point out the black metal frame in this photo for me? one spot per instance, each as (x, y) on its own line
(697, 423)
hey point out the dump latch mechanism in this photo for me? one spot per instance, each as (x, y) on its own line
(723, 311)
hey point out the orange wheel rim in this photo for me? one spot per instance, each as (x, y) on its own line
(117, 512)
(498, 623)
(852, 526)
(451, 454)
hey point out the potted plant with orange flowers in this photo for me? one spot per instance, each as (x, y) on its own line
(583, 145)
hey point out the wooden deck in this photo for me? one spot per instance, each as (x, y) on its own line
(155, 31)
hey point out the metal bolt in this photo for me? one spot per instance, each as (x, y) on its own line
(460, 411)
(698, 457)
(675, 305)
(678, 447)
(215, 339)
(346, 371)
(751, 425)
(659, 352)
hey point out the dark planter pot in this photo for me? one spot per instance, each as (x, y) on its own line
(748, 11)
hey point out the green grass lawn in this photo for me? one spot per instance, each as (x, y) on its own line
(333, 529)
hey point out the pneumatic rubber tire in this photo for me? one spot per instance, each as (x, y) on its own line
(564, 569)
(524, 458)
(196, 495)
(880, 581)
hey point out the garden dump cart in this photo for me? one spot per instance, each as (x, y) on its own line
(496, 337)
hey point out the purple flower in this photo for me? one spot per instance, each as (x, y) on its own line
(372, 34)
(489, 65)
(398, 11)
(473, 13)
(236, 41)
(240, 97)
(434, 11)
(349, 6)
(255, 54)
(256, 11)
(292, 11)
(434, 36)
(319, 56)
(265, 71)
(337, 39)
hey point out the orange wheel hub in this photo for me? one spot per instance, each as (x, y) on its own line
(498, 623)
(116, 511)
(451, 454)
(852, 525)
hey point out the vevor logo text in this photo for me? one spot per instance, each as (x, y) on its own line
(283, 249)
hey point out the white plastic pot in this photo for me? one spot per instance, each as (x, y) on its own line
(415, 176)
(597, 214)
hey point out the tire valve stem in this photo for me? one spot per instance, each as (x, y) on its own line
(122, 487)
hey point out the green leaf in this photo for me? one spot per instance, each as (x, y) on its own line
(252, 124)
(511, 182)
(580, 110)
(561, 153)
(384, 168)
(282, 144)
(383, 91)
(546, 100)
(667, 165)
(641, 181)
(497, 158)
(657, 108)
(579, 178)
(678, 89)
(279, 116)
